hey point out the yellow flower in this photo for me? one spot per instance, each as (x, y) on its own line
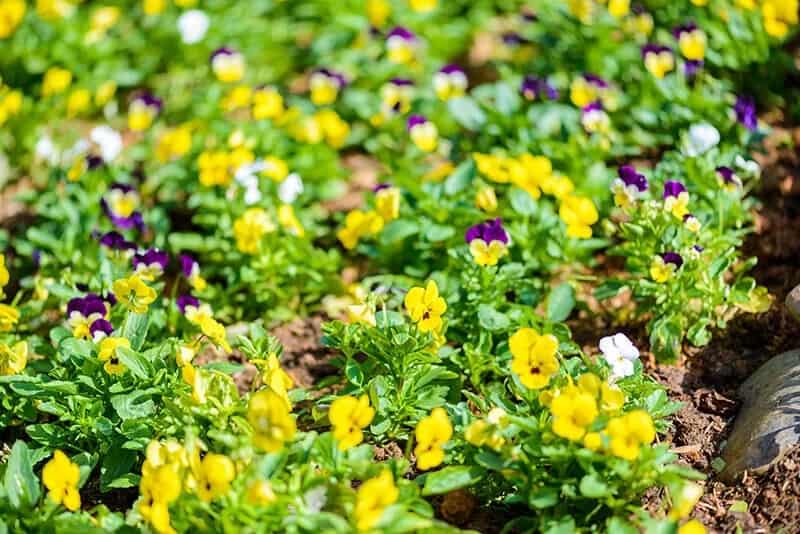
(361, 313)
(641, 23)
(684, 500)
(629, 432)
(378, 12)
(779, 15)
(250, 228)
(432, 433)
(56, 80)
(324, 89)
(534, 357)
(425, 307)
(159, 486)
(579, 214)
(659, 63)
(693, 526)
(425, 136)
(536, 171)
(260, 493)
(487, 431)
(486, 254)
(581, 10)
(213, 476)
(593, 441)
(13, 359)
(288, 220)
(78, 102)
(54, 9)
(440, 171)
(4, 274)
(333, 127)
(275, 169)
(104, 18)
(140, 116)
(214, 168)
(274, 376)
(558, 186)
(581, 92)
(133, 293)
(348, 415)
(108, 354)
(619, 8)
(387, 203)
(237, 98)
(272, 423)
(175, 143)
(486, 199)
(373, 497)
(661, 271)
(105, 93)
(573, 411)
(9, 316)
(215, 331)
(693, 44)
(60, 477)
(11, 14)
(267, 104)
(358, 224)
(153, 7)
(423, 6)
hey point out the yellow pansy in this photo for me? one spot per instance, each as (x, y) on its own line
(487, 254)
(14, 358)
(9, 316)
(11, 15)
(78, 101)
(423, 6)
(685, 499)
(378, 12)
(176, 143)
(387, 203)
(260, 493)
(534, 357)
(373, 497)
(629, 432)
(579, 214)
(271, 420)
(212, 476)
(105, 93)
(619, 8)
(693, 526)
(288, 220)
(108, 354)
(55, 9)
(486, 199)
(134, 294)
(60, 476)
(250, 228)
(573, 411)
(425, 307)
(348, 416)
(215, 331)
(4, 274)
(267, 103)
(693, 44)
(431, 434)
(56, 80)
(358, 224)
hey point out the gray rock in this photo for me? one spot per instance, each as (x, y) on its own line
(793, 302)
(768, 424)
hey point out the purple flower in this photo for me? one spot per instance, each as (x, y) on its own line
(401, 82)
(745, 109)
(222, 51)
(673, 189)
(115, 241)
(631, 178)
(118, 204)
(488, 231)
(337, 77)
(513, 39)
(593, 106)
(402, 33)
(451, 68)
(184, 301)
(149, 100)
(651, 48)
(415, 120)
(188, 265)
(673, 258)
(381, 187)
(728, 178)
(691, 67)
(100, 328)
(87, 306)
(533, 88)
(36, 257)
(595, 80)
(152, 263)
(689, 27)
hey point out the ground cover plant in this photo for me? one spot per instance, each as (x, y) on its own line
(457, 192)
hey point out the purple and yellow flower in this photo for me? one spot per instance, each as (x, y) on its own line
(628, 187)
(228, 64)
(423, 132)
(728, 179)
(401, 45)
(191, 270)
(120, 204)
(82, 312)
(191, 307)
(387, 202)
(150, 264)
(659, 60)
(691, 41)
(664, 266)
(451, 81)
(325, 85)
(533, 88)
(586, 89)
(116, 242)
(100, 329)
(594, 118)
(691, 223)
(144, 108)
(691, 68)
(488, 242)
(396, 96)
(745, 110)
(676, 199)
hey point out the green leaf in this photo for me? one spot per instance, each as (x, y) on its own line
(135, 362)
(491, 319)
(522, 202)
(398, 230)
(560, 302)
(135, 329)
(460, 178)
(466, 112)
(451, 478)
(133, 405)
(21, 485)
(609, 288)
(593, 487)
(543, 498)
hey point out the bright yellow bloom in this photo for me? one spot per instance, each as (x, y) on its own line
(425, 136)
(239, 97)
(579, 214)
(153, 7)
(324, 89)
(56, 80)
(425, 307)
(9, 316)
(13, 359)
(693, 526)
(423, 6)
(174, 144)
(779, 15)
(267, 103)
(60, 476)
(387, 203)
(260, 493)
(105, 93)
(659, 63)
(432, 433)
(629, 432)
(378, 12)
(361, 313)
(534, 357)
(213, 476)
(581, 92)
(348, 415)
(272, 423)
(11, 15)
(684, 500)
(140, 116)
(250, 228)
(373, 497)
(558, 186)
(54, 9)
(78, 102)
(134, 294)
(573, 411)
(273, 375)
(4, 274)
(159, 486)
(275, 169)
(358, 224)
(487, 431)
(486, 254)
(334, 129)
(288, 220)
(215, 331)
(693, 44)
(214, 168)
(486, 199)
(108, 354)
(593, 441)
(619, 8)
(661, 271)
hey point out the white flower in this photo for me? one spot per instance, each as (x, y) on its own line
(46, 150)
(316, 498)
(193, 26)
(700, 139)
(108, 140)
(252, 195)
(290, 188)
(748, 167)
(620, 353)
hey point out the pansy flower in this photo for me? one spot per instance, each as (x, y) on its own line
(100, 329)
(325, 85)
(691, 68)
(191, 270)
(267, 103)
(120, 204)
(192, 309)
(699, 139)
(586, 89)
(620, 353)
(486, 199)
(628, 187)
(579, 214)
(488, 242)
(227, 64)
(108, 354)
(745, 111)
(193, 25)
(425, 307)
(82, 312)
(728, 179)
(401, 44)
(150, 264)
(594, 119)
(691, 223)
(116, 242)
(250, 229)
(358, 224)
(290, 188)
(451, 81)
(387, 202)
(676, 198)
(534, 358)
(423, 132)
(396, 96)
(664, 266)
(143, 110)
(691, 41)
(640, 21)
(695, 252)
(134, 294)
(659, 60)
(533, 88)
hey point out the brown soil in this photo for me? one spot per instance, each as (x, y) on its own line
(305, 358)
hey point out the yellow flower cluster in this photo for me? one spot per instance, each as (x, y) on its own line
(13, 359)
(348, 416)
(272, 422)
(217, 167)
(11, 14)
(250, 229)
(9, 316)
(174, 143)
(779, 16)
(134, 294)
